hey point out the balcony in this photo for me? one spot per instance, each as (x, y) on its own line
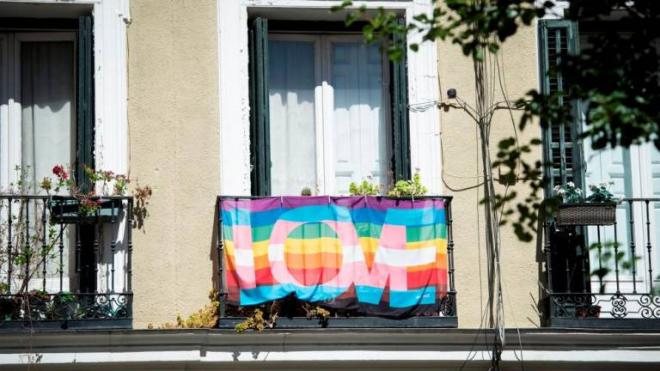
(62, 266)
(362, 261)
(605, 276)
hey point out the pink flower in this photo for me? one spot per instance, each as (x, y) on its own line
(59, 171)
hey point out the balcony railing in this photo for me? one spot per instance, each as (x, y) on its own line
(266, 250)
(64, 264)
(606, 276)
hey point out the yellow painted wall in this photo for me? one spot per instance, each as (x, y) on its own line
(462, 168)
(174, 148)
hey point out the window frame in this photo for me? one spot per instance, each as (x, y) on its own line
(233, 54)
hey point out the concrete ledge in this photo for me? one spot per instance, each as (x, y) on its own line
(329, 349)
(324, 339)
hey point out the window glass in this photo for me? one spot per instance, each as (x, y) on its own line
(328, 113)
(358, 120)
(292, 124)
(46, 108)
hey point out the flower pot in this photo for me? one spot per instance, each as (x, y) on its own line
(586, 214)
(67, 211)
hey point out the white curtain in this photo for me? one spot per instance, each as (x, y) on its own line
(47, 132)
(47, 86)
(292, 124)
(360, 129)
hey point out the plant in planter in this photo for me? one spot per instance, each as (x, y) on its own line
(36, 303)
(402, 188)
(569, 194)
(363, 189)
(64, 305)
(408, 188)
(306, 191)
(600, 193)
(599, 208)
(85, 206)
(255, 322)
(319, 312)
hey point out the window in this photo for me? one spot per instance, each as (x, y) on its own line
(324, 112)
(39, 93)
(632, 174)
(49, 71)
(243, 31)
(46, 119)
(46, 112)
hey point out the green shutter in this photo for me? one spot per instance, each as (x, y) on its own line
(562, 150)
(259, 110)
(400, 127)
(85, 101)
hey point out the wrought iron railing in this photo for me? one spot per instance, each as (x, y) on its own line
(294, 317)
(64, 263)
(605, 276)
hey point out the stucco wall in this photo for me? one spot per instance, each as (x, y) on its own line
(462, 169)
(174, 148)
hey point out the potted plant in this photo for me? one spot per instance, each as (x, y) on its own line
(597, 209)
(62, 307)
(85, 207)
(87, 210)
(35, 304)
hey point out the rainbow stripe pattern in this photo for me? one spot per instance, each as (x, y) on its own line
(373, 254)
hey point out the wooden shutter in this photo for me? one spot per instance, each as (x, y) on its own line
(400, 126)
(259, 110)
(85, 101)
(85, 144)
(562, 151)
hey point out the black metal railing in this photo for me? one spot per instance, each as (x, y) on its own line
(231, 315)
(65, 262)
(605, 276)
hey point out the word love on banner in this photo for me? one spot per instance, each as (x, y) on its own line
(368, 254)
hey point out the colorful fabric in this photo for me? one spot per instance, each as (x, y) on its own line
(370, 254)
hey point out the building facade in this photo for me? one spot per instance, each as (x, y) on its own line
(200, 99)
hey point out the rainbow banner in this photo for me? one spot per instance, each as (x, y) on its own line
(372, 255)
